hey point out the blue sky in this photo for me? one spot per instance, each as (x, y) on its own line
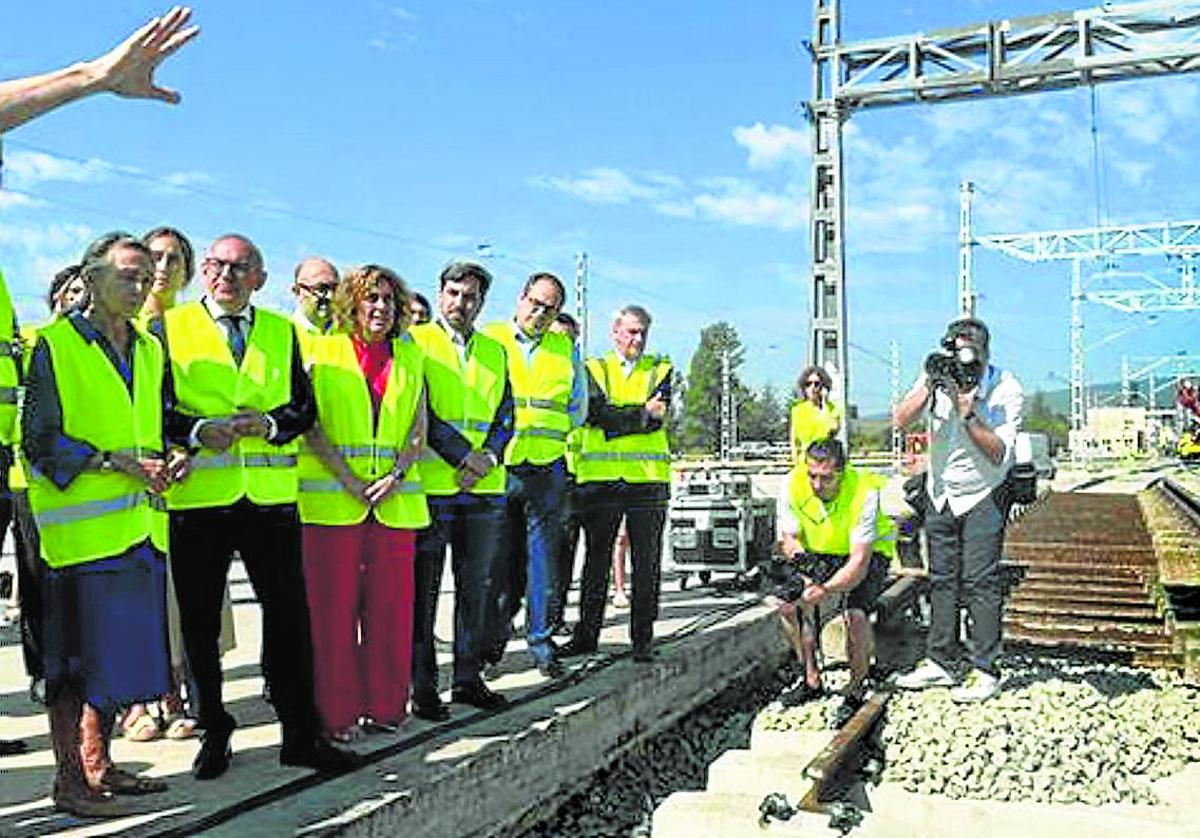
(664, 139)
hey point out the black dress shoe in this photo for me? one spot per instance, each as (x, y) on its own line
(321, 755)
(646, 655)
(430, 707)
(214, 757)
(551, 668)
(478, 695)
(10, 747)
(573, 649)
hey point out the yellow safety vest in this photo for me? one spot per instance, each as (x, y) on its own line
(541, 389)
(101, 513)
(370, 447)
(208, 384)
(634, 458)
(810, 423)
(464, 396)
(17, 479)
(9, 375)
(826, 527)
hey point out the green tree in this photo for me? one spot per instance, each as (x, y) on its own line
(762, 415)
(1039, 418)
(702, 401)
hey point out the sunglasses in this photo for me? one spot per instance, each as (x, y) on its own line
(815, 382)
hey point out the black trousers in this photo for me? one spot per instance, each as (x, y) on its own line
(644, 506)
(569, 543)
(30, 572)
(267, 538)
(964, 566)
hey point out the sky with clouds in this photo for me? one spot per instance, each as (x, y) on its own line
(664, 139)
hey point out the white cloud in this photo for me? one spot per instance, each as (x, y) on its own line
(10, 199)
(401, 13)
(27, 168)
(771, 145)
(743, 204)
(604, 185)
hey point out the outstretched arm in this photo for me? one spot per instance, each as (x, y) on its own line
(126, 70)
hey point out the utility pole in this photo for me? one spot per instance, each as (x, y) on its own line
(897, 432)
(581, 309)
(728, 434)
(966, 285)
(1126, 389)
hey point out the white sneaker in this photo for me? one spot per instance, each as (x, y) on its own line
(977, 686)
(926, 674)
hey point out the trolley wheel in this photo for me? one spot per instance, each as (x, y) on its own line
(705, 576)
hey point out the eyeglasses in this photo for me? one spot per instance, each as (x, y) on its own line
(815, 382)
(540, 307)
(325, 289)
(215, 267)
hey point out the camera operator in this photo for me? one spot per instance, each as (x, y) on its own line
(974, 412)
(836, 538)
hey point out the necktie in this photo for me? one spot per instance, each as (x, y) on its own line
(237, 338)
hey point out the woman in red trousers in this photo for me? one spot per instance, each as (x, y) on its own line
(361, 500)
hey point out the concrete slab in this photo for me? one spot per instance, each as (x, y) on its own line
(475, 775)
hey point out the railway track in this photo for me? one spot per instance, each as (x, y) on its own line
(1086, 572)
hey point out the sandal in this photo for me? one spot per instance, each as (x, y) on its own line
(180, 727)
(144, 729)
(119, 781)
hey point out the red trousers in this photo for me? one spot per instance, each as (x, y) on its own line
(360, 598)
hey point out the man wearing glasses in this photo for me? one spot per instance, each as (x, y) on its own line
(549, 400)
(242, 399)
(814, 415)
(316, 280)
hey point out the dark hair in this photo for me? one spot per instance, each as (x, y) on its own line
(60, 281)
(971, 328)
(462, 271)
(827, 450)
(185, 244)
(811, 370)
(568, 320)
(543, 276)
(354, 288)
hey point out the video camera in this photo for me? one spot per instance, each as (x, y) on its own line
(787, 578)
(953, 367)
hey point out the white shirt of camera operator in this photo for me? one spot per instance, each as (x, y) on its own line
(959, 472)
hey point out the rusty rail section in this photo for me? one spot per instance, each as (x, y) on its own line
(1086, 575)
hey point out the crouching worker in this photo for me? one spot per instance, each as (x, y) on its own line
(839, 543)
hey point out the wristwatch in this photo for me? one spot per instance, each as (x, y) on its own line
(971, 417)
(106, 461)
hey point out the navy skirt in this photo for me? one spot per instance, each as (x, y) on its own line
(106, 629)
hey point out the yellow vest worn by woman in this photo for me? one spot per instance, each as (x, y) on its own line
(209, 384)
(17, 479)
(101, 513)
(465, 396)
(826, 527)
(9, 376)
(635, 458)
(541, 389)
(370, 447)
(810, 423)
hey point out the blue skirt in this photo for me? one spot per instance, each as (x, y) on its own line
(106, 629)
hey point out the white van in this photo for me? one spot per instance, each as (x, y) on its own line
(1034, 447)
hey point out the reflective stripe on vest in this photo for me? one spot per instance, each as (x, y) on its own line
(209, 384)
(100, 514)
(9, 374)
(633, 458)
(369, 445)
(542, 381)
(826, 527)
(464, 394)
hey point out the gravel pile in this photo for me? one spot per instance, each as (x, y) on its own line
(1060, 732)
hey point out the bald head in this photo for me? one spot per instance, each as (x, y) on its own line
(316, 280)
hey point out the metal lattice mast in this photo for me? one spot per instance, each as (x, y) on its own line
(1126, 387)
(726, 407)
(897, 432)
(999, 58)
(1078, 408)
(966, 285)
(581, 308)
(829, 347)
